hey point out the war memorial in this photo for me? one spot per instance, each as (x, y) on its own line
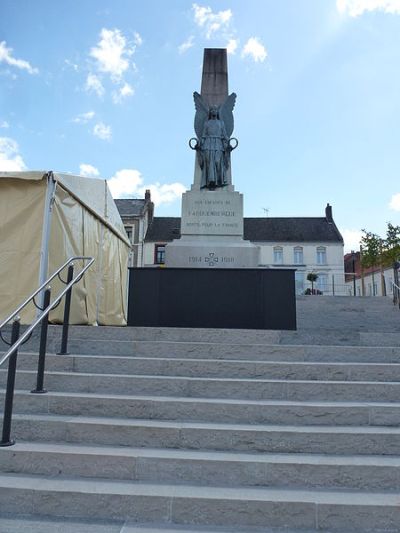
(211, 267)
(212, 211)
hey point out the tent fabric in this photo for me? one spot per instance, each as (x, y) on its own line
(76, 229)
(95, 195)
(21, 214)
(36, 175)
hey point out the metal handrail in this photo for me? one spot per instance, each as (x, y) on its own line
(46, 311)
(394, 285)
(396, 294)
(43, 286)
(17, 340)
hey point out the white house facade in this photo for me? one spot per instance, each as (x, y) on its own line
(308, 244)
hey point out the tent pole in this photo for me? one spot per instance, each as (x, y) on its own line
(44, 250)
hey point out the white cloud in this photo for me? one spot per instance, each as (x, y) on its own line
(137, 39)
(112, 53)
(352, 238)
(84, 118)
(10, 159)
(72, 65)
(125, 183)
(102, 131)
(184, 47)
(7, 57)
(93, 84)
(4, 124)
(128, 183)
(395, 202)
(355, 8)
(88, 171)
(164, 193)
(123, 92)
(254, 49)
(209, 21)
(232, 46)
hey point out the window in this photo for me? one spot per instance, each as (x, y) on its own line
(322, 282)
(159, 254)
(128, 230)
(299, 281)
(298, 255)
(321, 255)
(278, 255)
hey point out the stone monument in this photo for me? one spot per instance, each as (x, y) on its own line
(212, 211)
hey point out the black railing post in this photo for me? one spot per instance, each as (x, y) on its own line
(9, 399)
(67, 307)
(43, 346)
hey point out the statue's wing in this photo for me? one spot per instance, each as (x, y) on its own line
(226, 113)
(201, 114)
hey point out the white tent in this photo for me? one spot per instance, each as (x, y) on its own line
(47, 217)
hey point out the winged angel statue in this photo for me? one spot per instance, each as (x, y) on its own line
(213, 126)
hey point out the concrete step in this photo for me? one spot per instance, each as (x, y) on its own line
(209, 410)
(235, 351)
(205, 506)
(228, 368)
(262, 352)
(131, 527)
(253, 389)
(337, 440)
(203, 468)
(48, 524)
(212, 335)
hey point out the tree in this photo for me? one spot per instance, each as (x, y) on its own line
(372, 246)
(377, 251)
(381, 252)
(392, 244)
(312, 276)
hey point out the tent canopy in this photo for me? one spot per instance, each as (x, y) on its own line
(93, 193)
(47, 217)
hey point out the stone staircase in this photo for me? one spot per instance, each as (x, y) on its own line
(174, 430)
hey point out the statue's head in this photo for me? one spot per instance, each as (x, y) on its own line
(214, 111)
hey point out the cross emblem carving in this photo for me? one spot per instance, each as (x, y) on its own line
(211, 260)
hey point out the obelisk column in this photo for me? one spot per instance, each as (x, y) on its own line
(214, 91)
(214, 81)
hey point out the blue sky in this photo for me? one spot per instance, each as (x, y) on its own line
(105, 89)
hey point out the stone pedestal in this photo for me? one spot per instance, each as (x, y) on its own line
(212, 233)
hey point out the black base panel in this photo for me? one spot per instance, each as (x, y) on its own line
(223, 298)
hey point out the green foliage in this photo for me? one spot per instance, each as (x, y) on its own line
(312, 276)
(392, 248)
(372, 246)
(378, 251)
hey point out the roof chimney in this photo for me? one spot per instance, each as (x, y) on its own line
(328, 214)
(149, 204)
